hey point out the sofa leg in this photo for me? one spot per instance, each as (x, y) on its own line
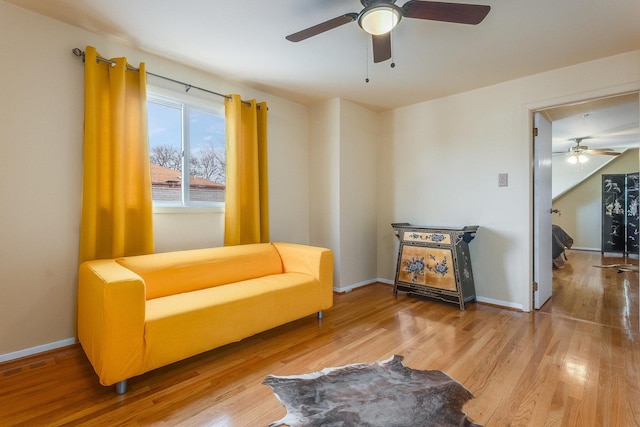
(320, 315)
(121, 387)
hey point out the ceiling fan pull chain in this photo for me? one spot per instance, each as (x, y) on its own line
(393, 63)
(366, 80)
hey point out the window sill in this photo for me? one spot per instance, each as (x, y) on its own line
(188, 209)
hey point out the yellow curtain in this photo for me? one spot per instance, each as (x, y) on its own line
(116, 188)
(247, 193)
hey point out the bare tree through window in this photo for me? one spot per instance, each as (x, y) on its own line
(209, 164)
(166, 156)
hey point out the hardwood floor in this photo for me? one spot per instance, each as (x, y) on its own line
(604, 296)
(576, 362)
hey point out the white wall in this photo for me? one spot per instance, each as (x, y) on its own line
(439, 162)
(40, 130)
(41, 125)
(358, 170)
(343, 167)
(324, 178)
(581, 207)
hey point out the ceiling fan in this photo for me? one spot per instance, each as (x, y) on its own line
(379, 17)
(577, 154)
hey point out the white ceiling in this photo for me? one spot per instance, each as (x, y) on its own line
(245, 40)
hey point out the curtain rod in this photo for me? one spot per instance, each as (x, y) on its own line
(80, 53)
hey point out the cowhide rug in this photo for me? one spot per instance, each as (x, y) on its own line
(385, 393)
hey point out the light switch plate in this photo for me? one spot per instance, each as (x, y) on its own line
(503, 180)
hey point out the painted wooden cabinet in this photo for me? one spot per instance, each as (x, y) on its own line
(434, 262)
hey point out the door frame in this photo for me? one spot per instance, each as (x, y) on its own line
(528, 111)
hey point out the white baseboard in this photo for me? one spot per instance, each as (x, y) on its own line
(582, 248)
(390, 282)
(349, 288)
(37, 349)
(500, 303)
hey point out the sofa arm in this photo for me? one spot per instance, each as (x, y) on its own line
(312, 260)
(111, 313)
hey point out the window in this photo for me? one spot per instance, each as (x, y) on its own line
(187, 152)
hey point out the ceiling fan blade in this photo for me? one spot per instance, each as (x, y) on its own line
(322, 27)
(381, 47)
(447, 12)
(605, 151)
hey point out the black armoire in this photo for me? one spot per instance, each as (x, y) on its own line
(620, 213)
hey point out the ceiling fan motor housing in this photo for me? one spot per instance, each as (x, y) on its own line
(369, 3)
(578, 148)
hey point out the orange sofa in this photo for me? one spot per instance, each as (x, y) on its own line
(138, 313)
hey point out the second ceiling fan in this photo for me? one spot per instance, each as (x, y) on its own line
(379, 17)
(576, 154)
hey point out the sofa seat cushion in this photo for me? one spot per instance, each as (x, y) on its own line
(170, 273)
(186, 324)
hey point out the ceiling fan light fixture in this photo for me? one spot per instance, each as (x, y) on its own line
(577, 158)
(379, 19)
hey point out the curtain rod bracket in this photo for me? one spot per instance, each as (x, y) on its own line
(78, 52)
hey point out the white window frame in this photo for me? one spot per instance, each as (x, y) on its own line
(185, 103)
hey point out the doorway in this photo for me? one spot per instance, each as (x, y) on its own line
(608, 124)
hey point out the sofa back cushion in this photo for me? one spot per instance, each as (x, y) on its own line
(184, 271)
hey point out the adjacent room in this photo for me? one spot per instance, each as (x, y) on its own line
(316, 212)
